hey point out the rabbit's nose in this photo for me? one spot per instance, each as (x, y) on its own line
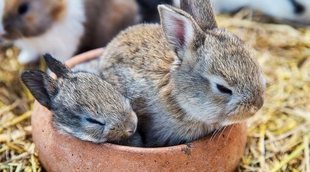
(258, 103)
(131, 129)
(130, 132)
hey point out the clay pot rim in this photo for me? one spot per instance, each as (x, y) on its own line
(92, 54)
(152, 150)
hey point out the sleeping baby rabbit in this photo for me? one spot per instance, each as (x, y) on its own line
(63, 27)
(185, 77)
(83, 105)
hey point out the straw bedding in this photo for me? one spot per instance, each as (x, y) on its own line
(278, 135)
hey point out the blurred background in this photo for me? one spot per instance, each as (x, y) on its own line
(278, 135)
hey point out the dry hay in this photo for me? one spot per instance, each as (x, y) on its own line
(16, 150)
(278, 138)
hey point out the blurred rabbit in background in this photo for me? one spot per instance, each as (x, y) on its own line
(68, 27)
(63, 27)
(284, 10)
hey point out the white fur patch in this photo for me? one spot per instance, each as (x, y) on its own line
(2, 4)
(61, 40)
(263, 81)
(177, 3)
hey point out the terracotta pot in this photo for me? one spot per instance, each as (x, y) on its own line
(59, 152)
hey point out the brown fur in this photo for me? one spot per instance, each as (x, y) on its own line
(105, 19)
(59, 10)
(40, 17)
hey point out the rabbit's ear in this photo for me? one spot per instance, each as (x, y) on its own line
(56, 66)
(180, 29)
(42, 86)
(201, 11)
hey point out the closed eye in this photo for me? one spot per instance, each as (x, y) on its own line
(223, 89)
(94, 121)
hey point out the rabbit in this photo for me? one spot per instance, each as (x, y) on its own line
(63, 27)
(292, 10)
(185, 77)
(83, 105)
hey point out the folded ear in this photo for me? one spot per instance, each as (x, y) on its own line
(56, 66)
(180, 29)
(42, 86)
(201, 11)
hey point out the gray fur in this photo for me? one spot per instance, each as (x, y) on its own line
(83, 105)
(170, 75)
(203, 15)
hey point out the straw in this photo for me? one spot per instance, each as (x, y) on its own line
(278, 135)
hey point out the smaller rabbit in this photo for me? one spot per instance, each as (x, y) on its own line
(83, 105)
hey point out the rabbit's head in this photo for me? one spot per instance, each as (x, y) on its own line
(83, 105)
(215, 77)
(28, 18)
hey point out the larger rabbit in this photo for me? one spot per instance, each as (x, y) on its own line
(185, 77)
(63, 27)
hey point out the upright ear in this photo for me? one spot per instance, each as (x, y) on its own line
(180, 29)
(56, 66)
(201, 11)
(42, 86)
